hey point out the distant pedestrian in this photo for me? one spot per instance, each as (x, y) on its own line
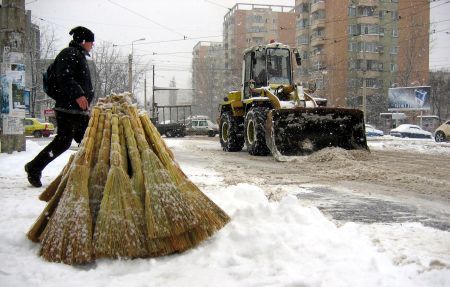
(74, 94)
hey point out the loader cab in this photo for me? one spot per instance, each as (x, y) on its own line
(266, 66)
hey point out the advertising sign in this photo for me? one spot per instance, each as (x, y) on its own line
(26, 100)
(409, 98)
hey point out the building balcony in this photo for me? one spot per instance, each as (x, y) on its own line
(369, 37)
(368, 56)
(318, 41)
(317, 24)
(368, 3)
(369, 74)
(368, 20)
(320, 5)
(321, 57)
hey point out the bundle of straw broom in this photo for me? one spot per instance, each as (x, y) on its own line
(122, 195)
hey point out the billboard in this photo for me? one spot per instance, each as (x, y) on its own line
(409, 98)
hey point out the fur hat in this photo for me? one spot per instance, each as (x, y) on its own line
(81, 34)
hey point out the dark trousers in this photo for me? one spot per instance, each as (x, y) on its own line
(70, 127)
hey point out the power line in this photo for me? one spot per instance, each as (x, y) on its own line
(146, 18)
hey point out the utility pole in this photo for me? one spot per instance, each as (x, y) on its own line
(364, 95)
(153, 93)
(12, 46)
(130, 66)
(145, 92)
(130, 73)
(364, 98)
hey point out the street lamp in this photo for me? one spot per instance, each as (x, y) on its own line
(130, 66)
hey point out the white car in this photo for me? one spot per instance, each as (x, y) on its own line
(201, 126)
(410, 131)
(442, 133)
(371, 131)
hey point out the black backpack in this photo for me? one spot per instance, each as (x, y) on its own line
(49, 82)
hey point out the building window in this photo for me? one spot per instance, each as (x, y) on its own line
(394, 68)
(353, 30)
(368, 47)
(303, 23)
(374, 65)
(393, 50)
(394, 31)
(302, 8)
(351, 11)
(373, 83)
(303, 39)
(366, 11)
(305, 55)
(394, 15)
(369, 29)
(353, 46)
(352, 65)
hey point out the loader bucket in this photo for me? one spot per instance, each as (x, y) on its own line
(301, 131)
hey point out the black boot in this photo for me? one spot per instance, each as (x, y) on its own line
(34, 176)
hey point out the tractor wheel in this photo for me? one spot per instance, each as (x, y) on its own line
(254, 131)
(230, 133)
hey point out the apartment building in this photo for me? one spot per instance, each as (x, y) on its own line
(354, 50)
(208, 77)
(246, 25)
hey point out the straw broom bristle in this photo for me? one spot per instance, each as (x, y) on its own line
(212, 217)
(41, 222)
(169, 213)
(68, 235)
(123, 149)
(119, 228)
(97, 178)
(137, 177)
(48, 193)
(98, 137)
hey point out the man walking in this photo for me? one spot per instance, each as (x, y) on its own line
(74, 94)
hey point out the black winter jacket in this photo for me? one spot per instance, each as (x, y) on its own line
(73, 78)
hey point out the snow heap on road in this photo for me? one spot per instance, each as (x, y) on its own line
(266, 244)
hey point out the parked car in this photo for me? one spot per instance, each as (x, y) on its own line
(410, 131)
(371, 131)
(38, 128)
(442, 133)
(202, 126)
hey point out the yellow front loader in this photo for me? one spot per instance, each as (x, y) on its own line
(271, 114)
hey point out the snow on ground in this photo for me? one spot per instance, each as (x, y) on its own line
(406, 144)
(266, 243)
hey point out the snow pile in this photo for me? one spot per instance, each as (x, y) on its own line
(424, 146)
(339, 154)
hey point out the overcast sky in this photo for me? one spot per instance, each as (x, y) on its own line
(163, 23)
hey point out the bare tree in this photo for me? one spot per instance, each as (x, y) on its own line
(48, 42)
(440, 94)
(111, 70)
